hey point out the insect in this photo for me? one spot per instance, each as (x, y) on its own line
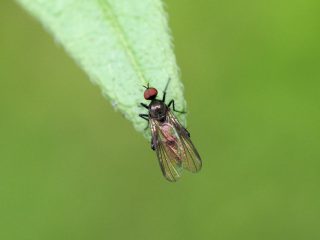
(170, 140)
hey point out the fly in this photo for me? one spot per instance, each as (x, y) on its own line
(170, 140)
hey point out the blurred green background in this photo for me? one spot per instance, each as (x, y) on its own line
(73, 168)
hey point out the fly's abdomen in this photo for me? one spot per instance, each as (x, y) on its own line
(170, 139)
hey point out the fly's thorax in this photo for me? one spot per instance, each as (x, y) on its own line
(158, 110)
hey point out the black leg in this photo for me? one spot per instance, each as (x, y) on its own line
(153, 147)
(173, 107)
(187, 132)
(165, 91)
(144, 116)
(144, 105)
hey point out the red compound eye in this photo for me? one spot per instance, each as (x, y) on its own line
(150, 93)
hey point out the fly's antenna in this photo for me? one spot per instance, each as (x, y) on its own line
(146, 87)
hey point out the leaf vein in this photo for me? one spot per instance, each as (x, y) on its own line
(109, 13)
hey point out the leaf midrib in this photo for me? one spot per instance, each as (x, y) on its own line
(108, 13)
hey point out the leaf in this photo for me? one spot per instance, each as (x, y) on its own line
(120, 44)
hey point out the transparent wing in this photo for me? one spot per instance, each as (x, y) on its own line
(191, 159)
(168, 148)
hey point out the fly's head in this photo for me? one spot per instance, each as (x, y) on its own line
(150, 93)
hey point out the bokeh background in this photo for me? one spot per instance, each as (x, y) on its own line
(73, 168)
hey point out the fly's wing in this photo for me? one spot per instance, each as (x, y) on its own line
(168, 148)
(190, 157)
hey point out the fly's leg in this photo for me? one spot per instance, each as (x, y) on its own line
(165, 91)
(153, 145)
(144, 105)
(187, 132)
(173, 107)
(144, 116)
(172, 101)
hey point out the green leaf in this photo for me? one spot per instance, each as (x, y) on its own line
(120, 44)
